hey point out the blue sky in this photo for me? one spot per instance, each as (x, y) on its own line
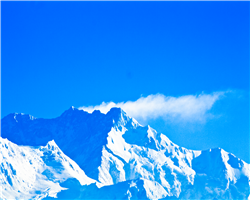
(61, 54)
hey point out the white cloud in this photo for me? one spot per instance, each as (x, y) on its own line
(187, 108)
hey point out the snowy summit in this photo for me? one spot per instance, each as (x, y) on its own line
(81, 155)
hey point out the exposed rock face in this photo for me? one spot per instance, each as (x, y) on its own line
(115, 158)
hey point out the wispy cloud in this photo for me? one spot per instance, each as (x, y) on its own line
(188, 107)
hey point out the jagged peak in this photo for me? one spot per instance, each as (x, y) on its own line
(72, 110)
(51, 145)
(3, 140)
(96, 112)
(121, 118)
(20, 117)
(116, 111)
(216, 149)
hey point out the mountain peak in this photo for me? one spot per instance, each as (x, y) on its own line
(115, 111)
(71, 111)
(120, 118)
(71, 108)
(112, 149)
(51, 145)
(20, 117)
(118, 114)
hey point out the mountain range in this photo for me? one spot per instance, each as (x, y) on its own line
(81, 155)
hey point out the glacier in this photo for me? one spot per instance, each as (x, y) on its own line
(81, 155)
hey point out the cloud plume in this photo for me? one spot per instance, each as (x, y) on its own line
(188, 107)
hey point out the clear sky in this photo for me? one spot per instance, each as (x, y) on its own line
(61, 54)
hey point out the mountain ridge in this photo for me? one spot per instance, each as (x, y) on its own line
(113, 149)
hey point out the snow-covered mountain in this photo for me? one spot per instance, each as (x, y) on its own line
(36, 172)
(114, 157)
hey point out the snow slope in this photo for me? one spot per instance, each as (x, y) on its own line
(35, 172)
(128, 160)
